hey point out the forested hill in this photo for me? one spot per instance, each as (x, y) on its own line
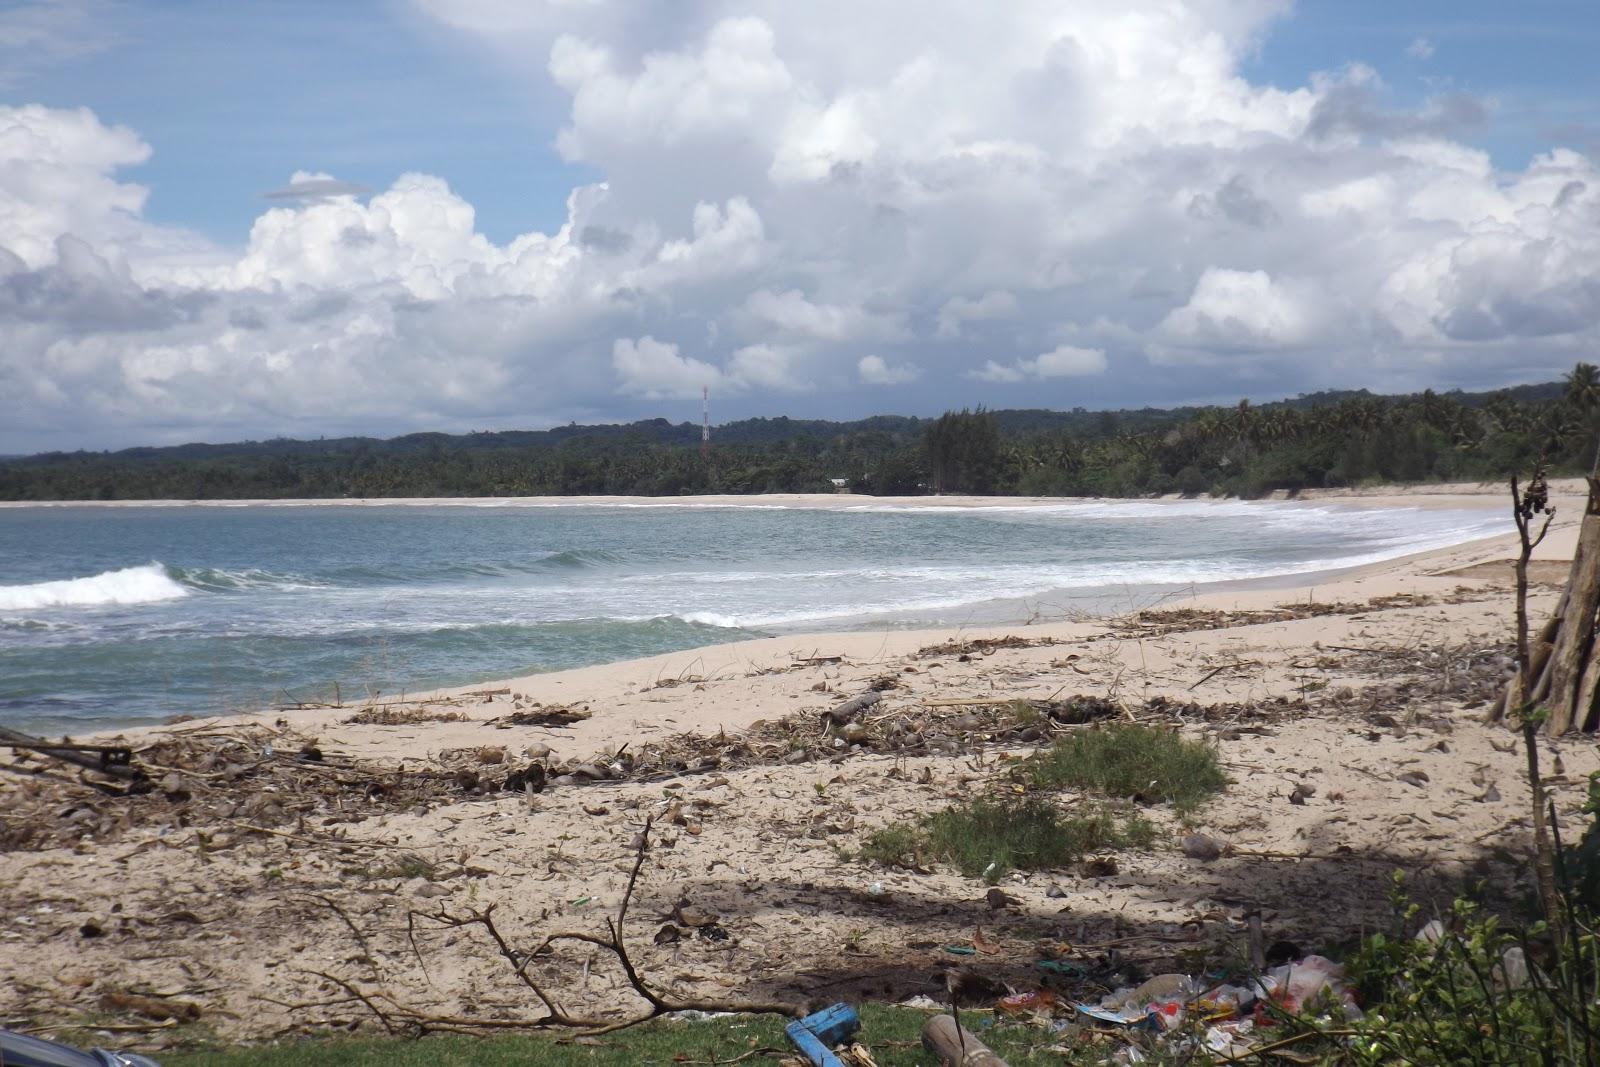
(1323, 439)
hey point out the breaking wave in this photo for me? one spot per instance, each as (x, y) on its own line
(130, 585)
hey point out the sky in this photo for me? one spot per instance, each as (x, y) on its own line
(230, 221)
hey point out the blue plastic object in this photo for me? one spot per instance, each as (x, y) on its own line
(816, 1035)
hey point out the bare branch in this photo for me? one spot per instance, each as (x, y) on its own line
(398, 1018)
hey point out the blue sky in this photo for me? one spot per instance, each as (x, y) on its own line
(836, 208)
(234, 97)
(1535, 58)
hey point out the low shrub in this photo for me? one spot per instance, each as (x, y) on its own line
(991, 837)
(1131, 762)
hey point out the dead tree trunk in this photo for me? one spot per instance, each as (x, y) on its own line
(1571, 660)
(1560, 667)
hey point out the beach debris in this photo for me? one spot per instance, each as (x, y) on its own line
(1098, 867)
(1026, 1003)
(28, 1050)
(158, 1008)
(846, 712)
(1160, 622)
(112, 760)
(1180, 1014)
(1201, 847)
(983, 646)
(816, 1035)
(687, 914)
(998, 899)
(954, 1044)
(401, 715)
(530, 779)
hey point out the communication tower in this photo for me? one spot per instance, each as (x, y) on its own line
(705, 422)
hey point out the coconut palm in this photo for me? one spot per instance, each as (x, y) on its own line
(1583, 387)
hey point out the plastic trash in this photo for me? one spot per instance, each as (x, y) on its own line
(1308, 983)
(1130, 1017)
(819, 1033)
(1026, 1003)
(22, 1050)
(1063, 967)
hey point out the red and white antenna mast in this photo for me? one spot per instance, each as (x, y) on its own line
(705, 422)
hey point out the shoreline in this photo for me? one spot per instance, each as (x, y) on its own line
(1427, 573)
(1423, 494)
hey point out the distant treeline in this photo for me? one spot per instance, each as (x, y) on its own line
(1327, 439)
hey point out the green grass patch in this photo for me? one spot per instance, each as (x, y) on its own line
(405, 865)
(990, 838)
(1131, 762)
(891, 1033)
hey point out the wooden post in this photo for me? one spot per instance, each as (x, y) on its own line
(957, 1047)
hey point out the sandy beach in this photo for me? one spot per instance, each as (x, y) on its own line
(258, 877)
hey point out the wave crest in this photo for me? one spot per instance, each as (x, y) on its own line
(214, 580)
(130, 585)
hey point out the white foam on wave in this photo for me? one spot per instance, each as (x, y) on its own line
(130, 585)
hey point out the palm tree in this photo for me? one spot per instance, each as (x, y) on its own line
(1583, 387)
(1243, 420)
(1507, 415)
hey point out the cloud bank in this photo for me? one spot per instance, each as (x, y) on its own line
(803, 203)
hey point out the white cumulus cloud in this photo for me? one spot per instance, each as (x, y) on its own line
(954, 188)
(655, 369)
(875, 370)
(1063, 361)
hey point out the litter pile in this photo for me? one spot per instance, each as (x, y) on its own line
(1180, 1015)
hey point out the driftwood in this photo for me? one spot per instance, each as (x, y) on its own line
(847, 711)
(956, 1046)
(113, 760)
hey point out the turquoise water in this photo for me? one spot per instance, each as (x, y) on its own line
(121, 614)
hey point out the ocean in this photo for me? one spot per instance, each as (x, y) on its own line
(118, 615)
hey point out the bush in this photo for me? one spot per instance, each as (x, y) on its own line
(1131, 762)
(990, 838)
(1476, 994)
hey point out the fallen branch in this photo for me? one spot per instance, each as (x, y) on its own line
(1218, 670)
(398, 1018)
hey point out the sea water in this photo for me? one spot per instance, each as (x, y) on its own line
(114, 615)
